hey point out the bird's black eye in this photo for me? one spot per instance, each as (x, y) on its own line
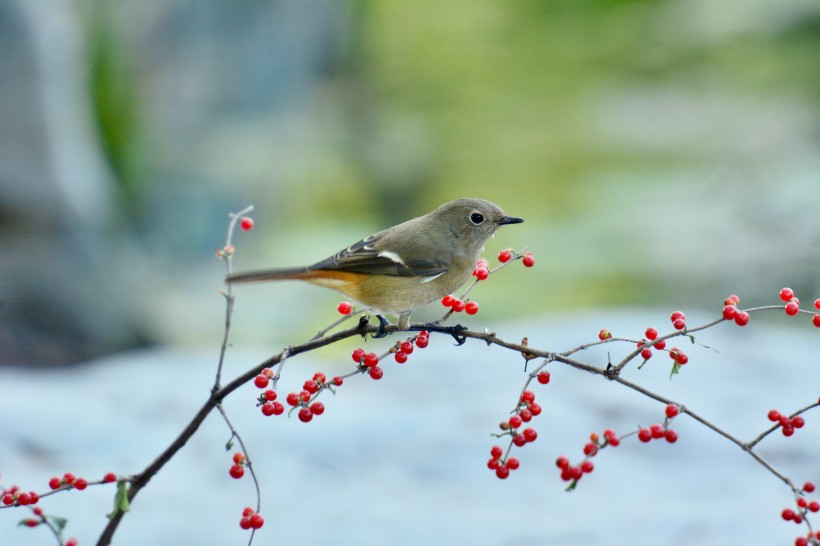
(477, 218)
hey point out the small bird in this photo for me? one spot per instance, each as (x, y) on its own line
(405, 266)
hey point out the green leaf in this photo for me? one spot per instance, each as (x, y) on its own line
(675, 370)
(572, 486)
(120, 499)
(57, 522)
(229, 444)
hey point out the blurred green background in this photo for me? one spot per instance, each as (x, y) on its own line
(664, 153)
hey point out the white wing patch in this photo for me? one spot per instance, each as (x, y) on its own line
(392, 256)
(432, 278)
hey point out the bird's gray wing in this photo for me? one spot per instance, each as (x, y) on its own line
(366, 256)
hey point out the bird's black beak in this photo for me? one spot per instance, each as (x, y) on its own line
(509, 220)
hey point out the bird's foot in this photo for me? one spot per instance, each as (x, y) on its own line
(435, 326)
(380, 332)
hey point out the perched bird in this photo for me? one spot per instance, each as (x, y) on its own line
(405, 266)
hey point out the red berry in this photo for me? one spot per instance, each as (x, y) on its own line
(515, 421)
(267, 409)
(679, 324)
(651, 334)
(270, 395)
(671, 436)
(401, 357)
(792, 308)
(814, 506)
(447, 301)
(657, 430)
(406, 347)
(787, 430)
(504, 256)
(338, 381)
(576, 472)
(587, 467)
(732, 300)
(801, 541)
(422, 342)
(237, 471)
(660, 345)
(502, 472)
(604, 334)
(797, 421)
(496, 452)
(530, 434)
(802, 502)
(817, 303)
(55, 483)
(310, 386)
(317, 408)
(371, 359)
(471, 308)
(787, 514)
(278, 408)
(681, 359)
(562, 462)
(261, 381)
(808, 487)
(528, 396)
(784, 420)
(458, 305)
(729, 312)
(535, 409)
(245, 523)
(816, 320)
(68, 478)
(544, 377)
(672, 410)
(526, 415)
(644, 435)
(358, 355)
(344, 308)
(8, 498)
(256, 521)
(80, 483)
(239, 457)
(774, 415)
(481, 273)
(677, 315)
(305, 415)
(528, 260)
(786, 294)
(110, 477)
(23, 499)
(590, 449)
(493, 463)
(646, 353)
(292, 398)
(71, 542)
(376, 373)
(246, 223)
(519, 439)
(513, 463)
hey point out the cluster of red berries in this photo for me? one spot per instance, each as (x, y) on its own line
(570, 473)
(798, 515)
(787, 424)
(251, 519)
(481, 270)
(731, 311)
(506, 255)
(237, 470)
(646, 344)
(527, 409)
(458, 305)
(657, 430)
(793, 305)
(678, 320)
(14, 495)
